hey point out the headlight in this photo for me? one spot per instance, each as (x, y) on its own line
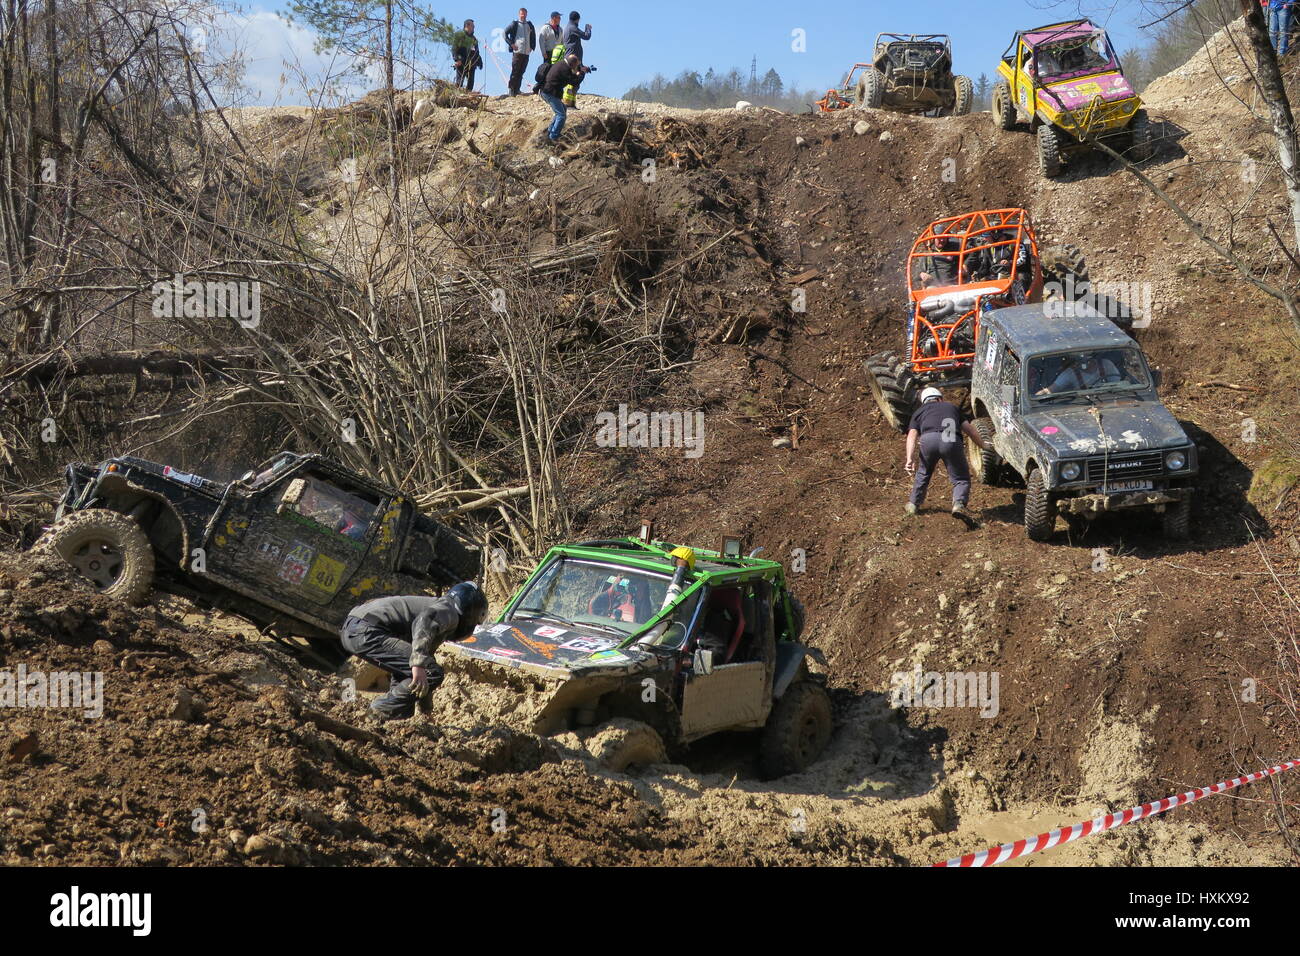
(1176, 460)
(1070, 471)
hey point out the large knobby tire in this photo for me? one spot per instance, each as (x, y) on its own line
(893, 387)
(1065, 266)
(985, 463)
(871, 88)
(1004, 110)
(1142, 142)
(962, 95)
(622, 743)
(108, 549)
(454, 559)
(1040, 508)
(1177, 520)
(797, 730)
(1049, 151)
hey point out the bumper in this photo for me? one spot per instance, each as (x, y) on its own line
(1100, 503)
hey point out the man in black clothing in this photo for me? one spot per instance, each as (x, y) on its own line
(568, 72)
(400, 634)
(522, 39)
(465, 56)
(935, 433)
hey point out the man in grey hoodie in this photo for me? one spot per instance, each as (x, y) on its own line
(573, 36)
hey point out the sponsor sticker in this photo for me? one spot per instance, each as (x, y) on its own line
(587, 644)
(326, 574)
(608, 656)
(550, 631)
(505, 651)
(296, 563)
(270, 549)
(1049, 429)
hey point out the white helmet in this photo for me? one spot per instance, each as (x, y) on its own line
(930, 394)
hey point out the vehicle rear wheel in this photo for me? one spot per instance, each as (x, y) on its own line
(1142, 143)
(962, 95)
(1004, 110)
(1049, 151)
(108, 549)
(1065, 266)
(453, 558)
(1177, 520)
(985, 464)
(1040, 508)
(893, 387)
(797, 731)
(871, 88)
(621, 743)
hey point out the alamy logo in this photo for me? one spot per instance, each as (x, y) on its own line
(651, 430)
(951, 689)
(75, 909)
(208, 299)
(78, 690)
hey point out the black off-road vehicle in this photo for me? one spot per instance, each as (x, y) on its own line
(1066, 401)
(912, 73)
(293, 545)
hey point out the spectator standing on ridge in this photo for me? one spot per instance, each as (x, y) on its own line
(573, 35)
(522, 39)
(465, 55)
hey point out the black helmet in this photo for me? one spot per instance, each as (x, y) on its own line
(473, 606)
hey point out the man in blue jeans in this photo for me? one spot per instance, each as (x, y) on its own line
(568, 72)
(1279, 24)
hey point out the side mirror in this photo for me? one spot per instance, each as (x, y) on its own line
(1156, 377)
(703, 662)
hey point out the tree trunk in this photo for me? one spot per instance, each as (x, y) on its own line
(1268, 75)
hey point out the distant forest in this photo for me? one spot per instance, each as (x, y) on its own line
(1171, 44)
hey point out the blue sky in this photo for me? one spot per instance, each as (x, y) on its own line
(632, 41)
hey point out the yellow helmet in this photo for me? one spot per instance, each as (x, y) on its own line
(686, 554)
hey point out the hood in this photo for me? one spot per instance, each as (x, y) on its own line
(555, 649)
(1078, 93)
(1126, 425)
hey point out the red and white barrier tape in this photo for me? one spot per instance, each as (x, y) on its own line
(1045, 841)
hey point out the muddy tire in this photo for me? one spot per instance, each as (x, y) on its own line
(1065, 266)
(871, 88)
(962, 95)
(893, 387)
(108, 549)
(985, 463)
(1004, 110)
(1049, 151)
(1040, 508)
(1177, 520)
(1142, 142)
(797, 731)
(623, 743)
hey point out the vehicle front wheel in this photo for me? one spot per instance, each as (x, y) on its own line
(108, 549)
(1004, 110)
(1049, 151)
(797, 731)
(1177, 520)
(621, 743)
(962, 95)
(871, 88)
(1040, 508)
(985, 463)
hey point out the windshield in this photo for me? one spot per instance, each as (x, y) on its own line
(1074, 57)
(571, 591)
(1086, 372)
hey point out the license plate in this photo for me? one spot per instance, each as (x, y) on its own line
(1129, 486)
